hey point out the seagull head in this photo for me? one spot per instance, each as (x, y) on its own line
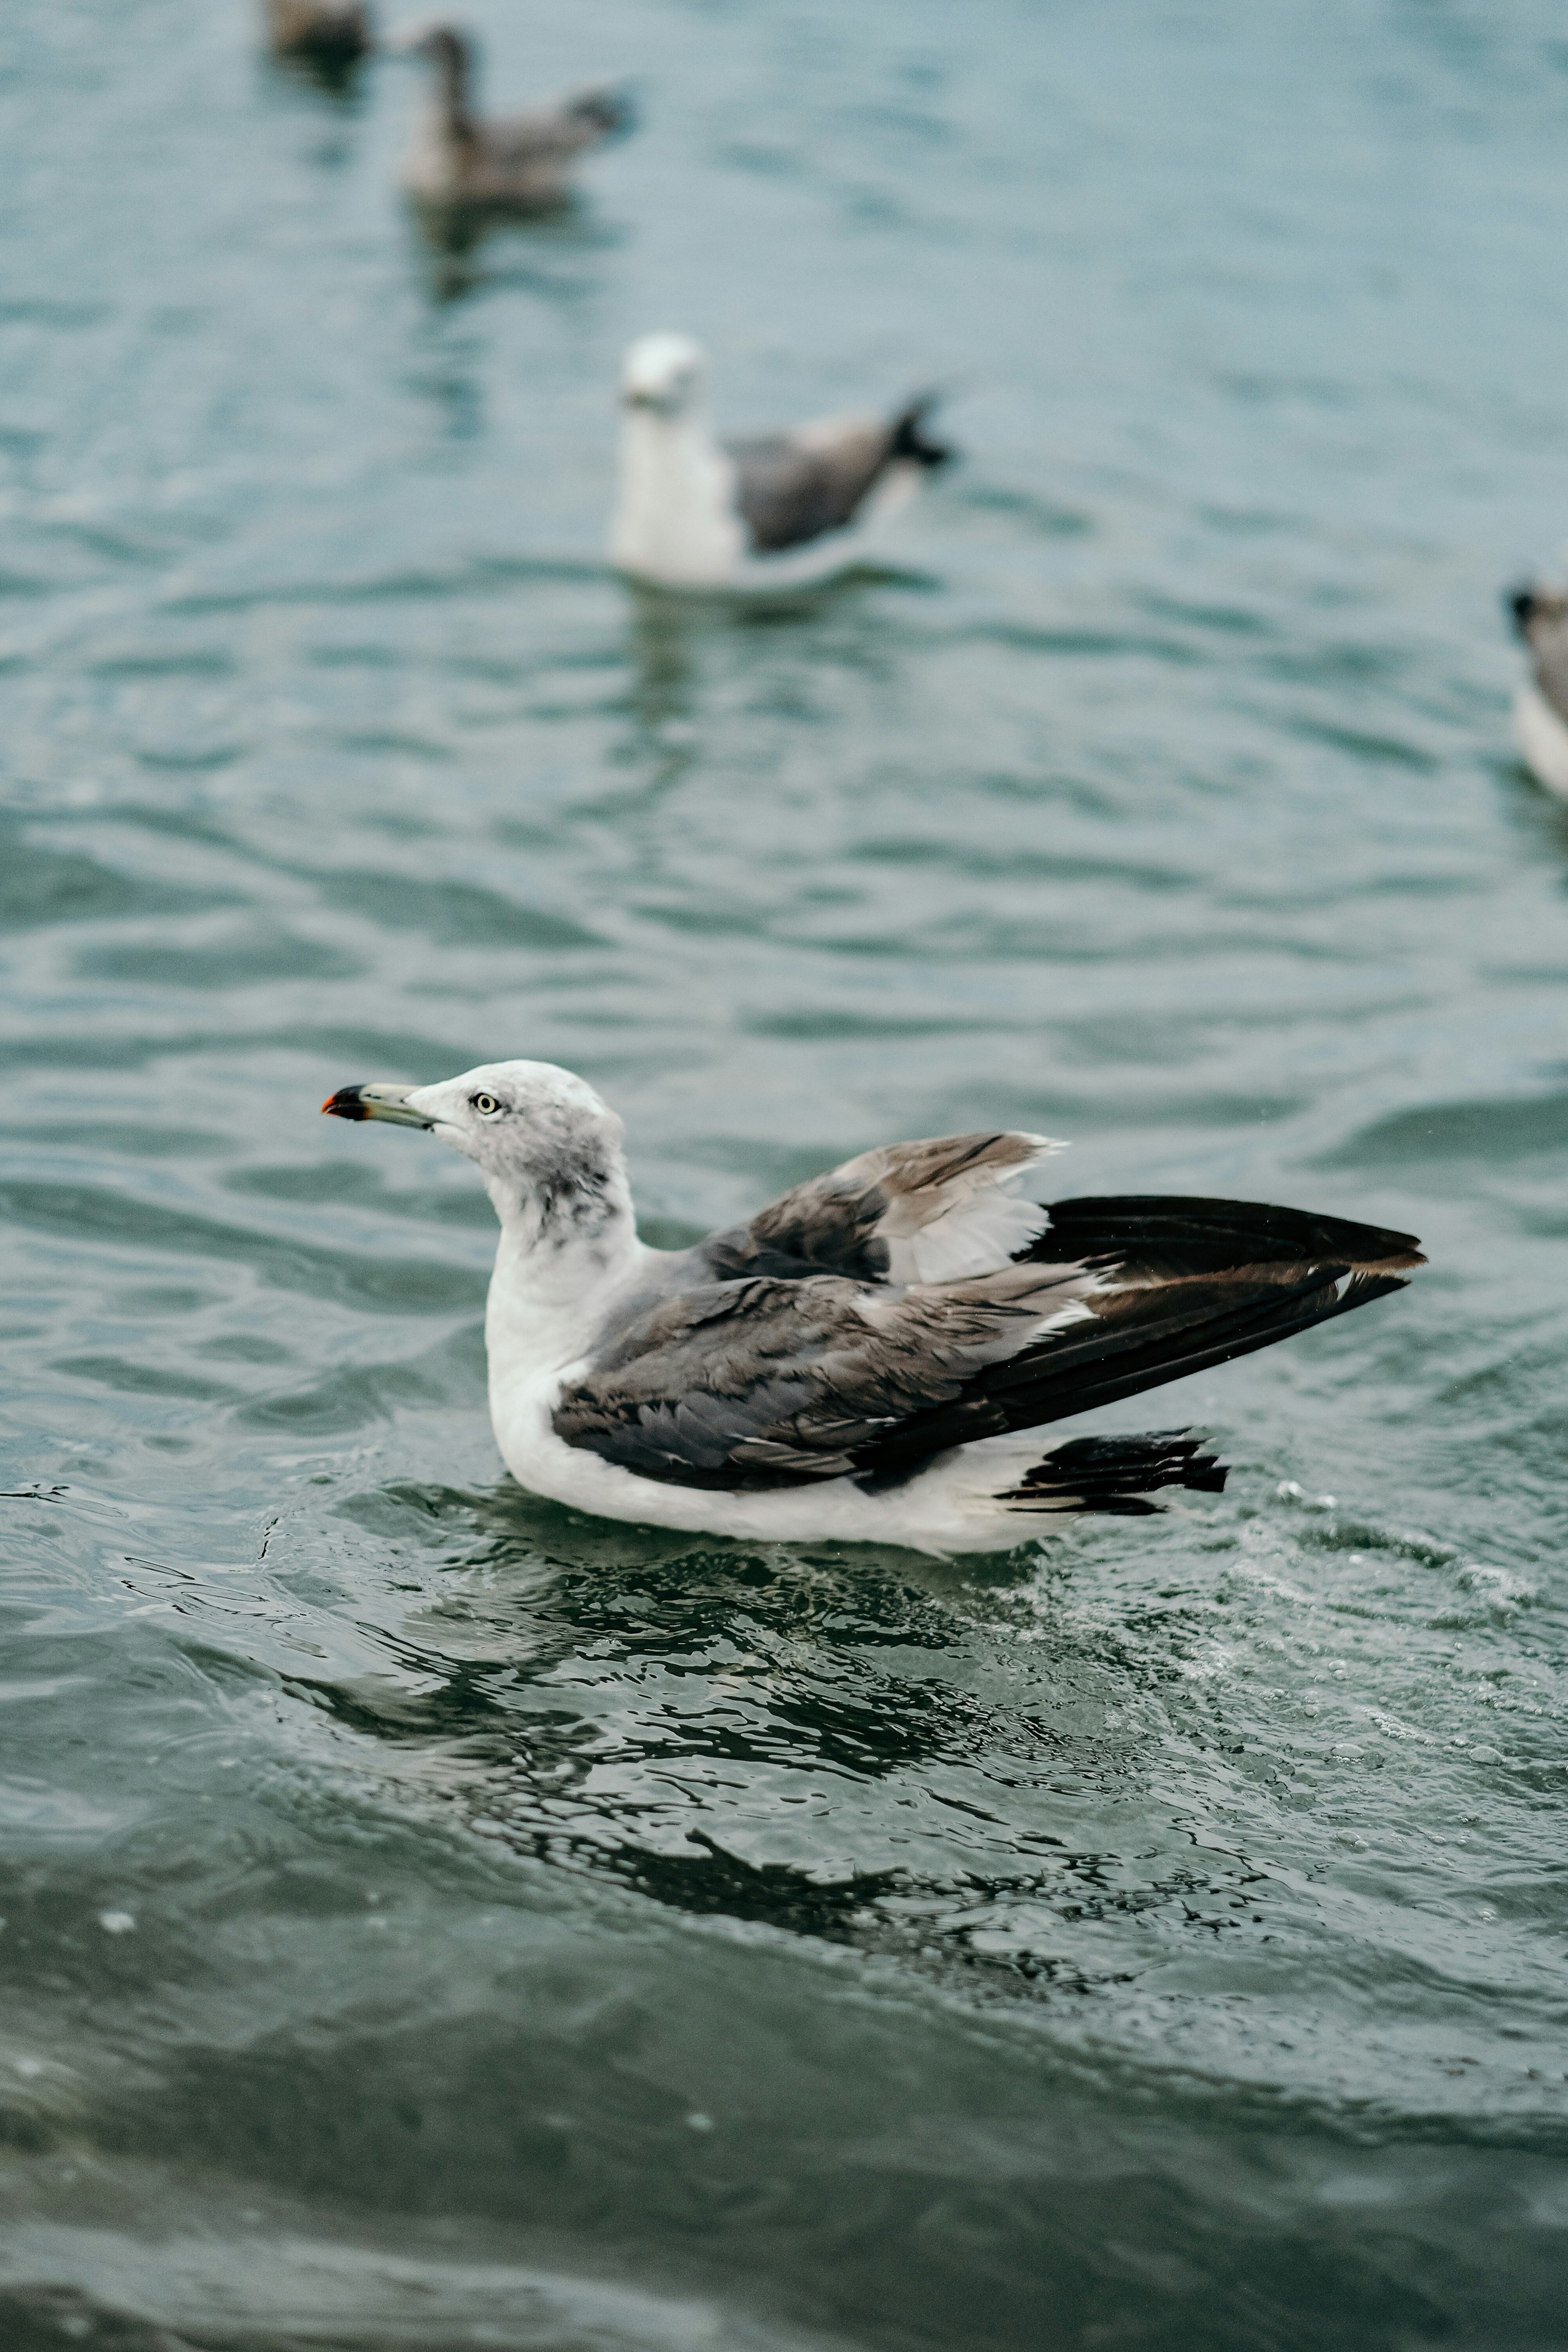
(1536, 604)
(443, 43)
(546, 1144)
(664, 372)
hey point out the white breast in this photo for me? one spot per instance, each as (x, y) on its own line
(1542, 737)
(675, 518)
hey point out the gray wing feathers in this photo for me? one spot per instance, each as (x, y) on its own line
(791, 488)
(549, 135)
(764, 1382)
(818, 1341)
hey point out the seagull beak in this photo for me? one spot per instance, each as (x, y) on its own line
(381, 1100)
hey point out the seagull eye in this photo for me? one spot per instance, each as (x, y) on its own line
(486, 1106)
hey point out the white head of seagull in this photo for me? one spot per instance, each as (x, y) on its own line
(546, 1145)
(549, 1152)
(870, 1356)
(666, 374)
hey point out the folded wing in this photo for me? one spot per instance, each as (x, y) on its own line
(554, 135)
(762, 1378)
(792, 487)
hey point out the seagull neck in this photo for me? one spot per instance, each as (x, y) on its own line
(452, 88)
(676, 512)
(563, 1256)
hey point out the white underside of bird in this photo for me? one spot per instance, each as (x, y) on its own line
(952, 1506)
(1542, 737)
(678, 524)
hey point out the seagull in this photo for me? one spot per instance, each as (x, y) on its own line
(784, 509)
(865, 1359)
(1540, 706)
(332, 34)
(520, 165)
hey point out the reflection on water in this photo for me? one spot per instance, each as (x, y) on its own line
(428, 1911)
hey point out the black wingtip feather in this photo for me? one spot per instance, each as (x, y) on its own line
(1128, 1371)
(1029, 1391)
(1200, 1236)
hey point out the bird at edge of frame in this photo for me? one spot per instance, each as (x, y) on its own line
(1539, 616)
(867, 1359)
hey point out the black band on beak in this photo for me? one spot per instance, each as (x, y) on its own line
(347, 1103)
(377, 1098)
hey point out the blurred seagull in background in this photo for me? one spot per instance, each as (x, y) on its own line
(1541, 705)
(783, 509)
(331, 34)
(867, 1359)
(520, 165)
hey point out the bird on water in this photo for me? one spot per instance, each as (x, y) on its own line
(521, 165)
(778, 511)
(866, 1358)
(1540, 706)
(331, 33)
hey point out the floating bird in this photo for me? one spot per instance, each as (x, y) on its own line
(1540, 706)
(459, 163)
(331, 34)
(784, 509)
(863, 1360)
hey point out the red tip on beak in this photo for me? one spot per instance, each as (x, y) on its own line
(347, 1103)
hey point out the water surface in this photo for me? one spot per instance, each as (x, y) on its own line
(431, 1919)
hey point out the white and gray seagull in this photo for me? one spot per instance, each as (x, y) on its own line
(1541, 705)
(778, 511)
(866, 1358)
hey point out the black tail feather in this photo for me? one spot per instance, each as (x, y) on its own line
(1115, 1476)
(909, 441)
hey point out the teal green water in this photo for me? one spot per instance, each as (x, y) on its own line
(432, 1919)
